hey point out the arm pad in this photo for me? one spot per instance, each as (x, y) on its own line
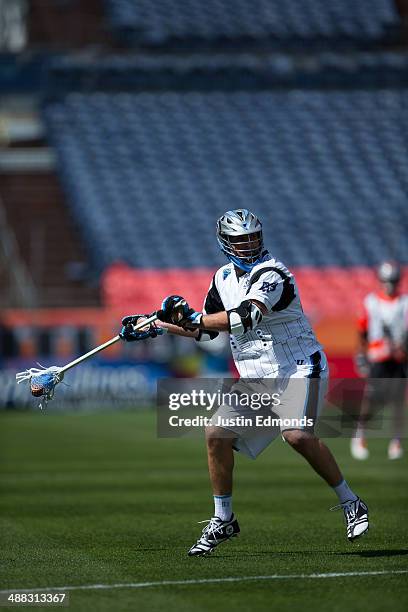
(243, 318)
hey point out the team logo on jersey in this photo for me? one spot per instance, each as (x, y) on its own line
(268, 287)
(226, 273)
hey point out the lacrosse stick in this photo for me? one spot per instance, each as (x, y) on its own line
(43, 381)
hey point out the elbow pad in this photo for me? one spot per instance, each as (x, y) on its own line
(243, 318)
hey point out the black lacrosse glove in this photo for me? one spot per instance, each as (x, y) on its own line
(129, 334)
(178, 314)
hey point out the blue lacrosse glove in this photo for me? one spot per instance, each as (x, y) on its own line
(178, 314)
(129, 334)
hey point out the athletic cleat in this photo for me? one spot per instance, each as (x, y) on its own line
(358, 449)
(215, 533)
(356, 515)
(395, 450)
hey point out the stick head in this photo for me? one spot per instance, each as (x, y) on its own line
(42, 382)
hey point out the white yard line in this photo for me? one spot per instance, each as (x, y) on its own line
(142, 585)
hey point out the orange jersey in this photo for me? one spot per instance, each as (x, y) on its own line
(385, 321)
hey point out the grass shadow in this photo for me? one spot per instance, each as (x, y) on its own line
(360, 553)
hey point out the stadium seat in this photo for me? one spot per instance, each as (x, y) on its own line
(144, 21)
(329, 292)
(147, 175)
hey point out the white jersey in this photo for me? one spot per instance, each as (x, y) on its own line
(284, 340)
(385, 320)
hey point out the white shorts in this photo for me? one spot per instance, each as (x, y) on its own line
(301, 396)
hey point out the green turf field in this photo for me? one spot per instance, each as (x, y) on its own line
(98, 499)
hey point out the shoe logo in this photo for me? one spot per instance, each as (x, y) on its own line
(229, 530)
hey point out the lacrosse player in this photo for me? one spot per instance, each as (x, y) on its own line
(383, 357)
(255, 299)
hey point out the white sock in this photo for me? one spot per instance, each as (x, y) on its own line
(344, 493)
(360, 433)
(223, 507)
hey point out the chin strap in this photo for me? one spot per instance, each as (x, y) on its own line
(243, 266)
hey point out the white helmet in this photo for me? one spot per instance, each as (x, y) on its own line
(244, 224)
(389, 272)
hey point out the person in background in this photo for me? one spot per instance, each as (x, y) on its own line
(383, 357)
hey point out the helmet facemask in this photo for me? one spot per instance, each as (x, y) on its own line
(245, 249)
